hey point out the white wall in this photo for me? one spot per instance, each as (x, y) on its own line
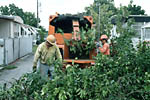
(16, 44)
(1, 51)
(11, 32)
(1, 55)
(137, 27)
(25, 46)
(16, 30)
(9, 29)
(147, 34)
(16, 48)
(9, 51)
(4, 28)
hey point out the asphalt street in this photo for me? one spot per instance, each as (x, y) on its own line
(24, 65)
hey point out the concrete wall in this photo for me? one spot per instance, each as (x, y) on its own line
(4, 28)
(1, 51)
(17, 41)
(14, 48)
(25, 46)
(137, 27)
(147, 34)
(1, 55)
(9, 51)
(16, 30)
(9, 29)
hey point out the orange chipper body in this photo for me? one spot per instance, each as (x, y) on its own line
(70, 24)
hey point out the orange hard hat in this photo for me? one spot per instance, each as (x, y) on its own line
(51, 39)
(104, 37)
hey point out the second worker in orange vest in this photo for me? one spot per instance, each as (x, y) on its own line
(105, 48)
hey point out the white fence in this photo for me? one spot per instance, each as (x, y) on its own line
(1, 55)
(25, 46)
(14, 48)
(8, 51)
(1, 51)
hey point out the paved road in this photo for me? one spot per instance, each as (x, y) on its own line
(24, 65)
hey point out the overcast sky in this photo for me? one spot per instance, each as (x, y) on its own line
(49, 7)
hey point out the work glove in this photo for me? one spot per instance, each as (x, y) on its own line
(100, 45)
(34, 69)
(97, 45)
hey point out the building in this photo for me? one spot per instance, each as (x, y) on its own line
(141, 33)
(145, 32)
(16, 38)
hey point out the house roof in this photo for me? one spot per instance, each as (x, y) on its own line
(137, 18)
(12, 18)
(140, 18)
(29, 28)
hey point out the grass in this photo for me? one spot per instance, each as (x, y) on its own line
(8, 67)
(34, 48)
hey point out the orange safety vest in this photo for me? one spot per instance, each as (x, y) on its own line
(105, 49)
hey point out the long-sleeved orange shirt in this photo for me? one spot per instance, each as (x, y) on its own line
(105, 49)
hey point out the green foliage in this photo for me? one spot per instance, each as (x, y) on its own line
(107, 9)
(125, 32)
(34, 48)
(124, 76)
(28, 17)
(135, 10)
(84, 45)
(24, 88)
(127, 73)
(42, 33)
(8, 67)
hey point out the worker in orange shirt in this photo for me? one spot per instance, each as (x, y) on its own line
(105, 46)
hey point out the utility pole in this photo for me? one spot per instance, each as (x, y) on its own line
(37, 14)
(98, 28)
(99, 18)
